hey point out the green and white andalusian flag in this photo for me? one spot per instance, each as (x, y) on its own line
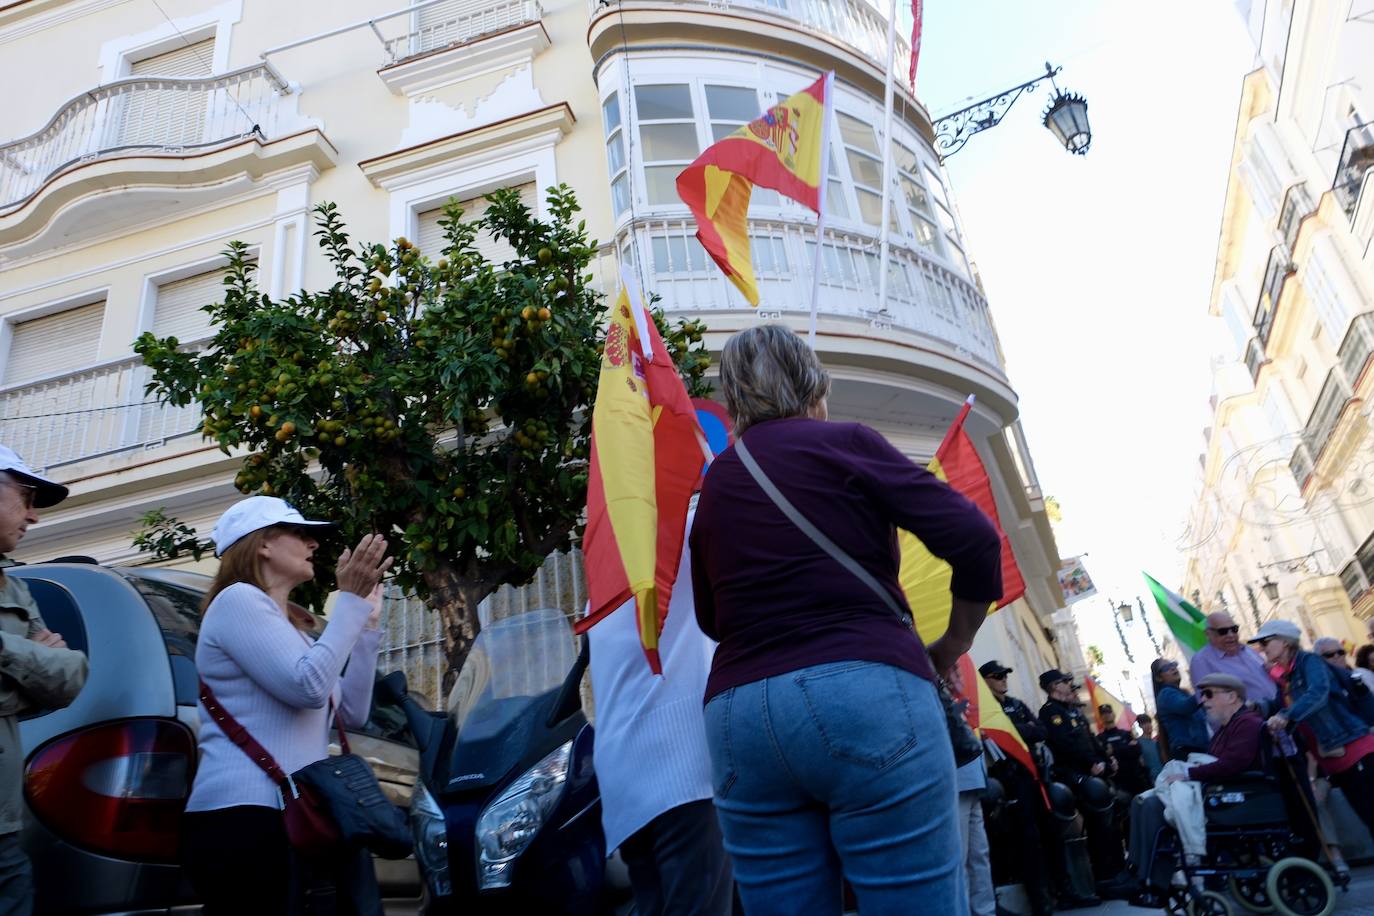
(1185, 621)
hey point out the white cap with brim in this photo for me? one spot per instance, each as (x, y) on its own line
(1285, 628)
(253, 514)
(47, 493)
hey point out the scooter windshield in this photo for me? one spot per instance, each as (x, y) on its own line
(513, 663)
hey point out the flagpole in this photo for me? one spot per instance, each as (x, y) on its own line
(883, 232)
(820, 202)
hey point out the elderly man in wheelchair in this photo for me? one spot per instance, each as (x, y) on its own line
(1243, 834)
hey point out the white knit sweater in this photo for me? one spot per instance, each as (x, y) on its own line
(277, 684)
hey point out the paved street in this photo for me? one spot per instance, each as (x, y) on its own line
(1358, 901)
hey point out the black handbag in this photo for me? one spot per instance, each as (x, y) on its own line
(965, 742)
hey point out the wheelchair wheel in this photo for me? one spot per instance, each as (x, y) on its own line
(1251, 893)
(1208, 903)
(1298, 887)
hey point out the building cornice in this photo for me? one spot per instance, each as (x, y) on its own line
(541, 128)
(443, 67)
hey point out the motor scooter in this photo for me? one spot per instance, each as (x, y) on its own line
(507, 813)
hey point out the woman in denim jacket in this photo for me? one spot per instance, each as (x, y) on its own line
(1312, 701)
(1182, 722)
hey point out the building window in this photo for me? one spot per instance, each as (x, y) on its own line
(165, 117)
(865, 167)
(666, 121)
(918, 205)
(615, 154)
(729, 108)
(430, 235)
(54, 344)
(944, 215)
(179, 307)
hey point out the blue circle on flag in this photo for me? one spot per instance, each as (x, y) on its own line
(715, 423)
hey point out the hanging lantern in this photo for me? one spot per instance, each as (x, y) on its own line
(1067, 119)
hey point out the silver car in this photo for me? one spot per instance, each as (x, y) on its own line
(106, 778)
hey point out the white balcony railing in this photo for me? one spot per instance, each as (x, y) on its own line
(923, 296)
(470, 25)
(854, 22)
(143, 114)
(80, 415)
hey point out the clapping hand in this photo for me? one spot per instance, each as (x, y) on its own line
(360, 570)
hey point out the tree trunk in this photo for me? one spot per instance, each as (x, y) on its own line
(456, 603)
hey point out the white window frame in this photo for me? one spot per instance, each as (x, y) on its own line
(118, 54)
(153, 282)
(66, 303)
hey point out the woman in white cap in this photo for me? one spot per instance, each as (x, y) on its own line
(1342, 740)
(282, 686)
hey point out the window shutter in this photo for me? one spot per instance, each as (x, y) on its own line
(178, 311)
(431, 239)
(187, 61)
(166, 117)
(54, 344)
(448, 23)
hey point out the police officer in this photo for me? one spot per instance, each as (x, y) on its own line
(1018, 852)
(1125, 750)
(1078, 759)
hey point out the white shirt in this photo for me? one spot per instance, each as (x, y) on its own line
(650, 750)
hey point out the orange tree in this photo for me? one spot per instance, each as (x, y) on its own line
(444, 401)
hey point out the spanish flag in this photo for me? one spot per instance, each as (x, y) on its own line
(784, 149)
(985, 716)
(1098, 697)
(924, 576)
(648, 452)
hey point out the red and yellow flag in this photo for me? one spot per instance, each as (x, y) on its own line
(984, 714)
(646, 458)
(782, 149)
(924, 576)
(1098, 696)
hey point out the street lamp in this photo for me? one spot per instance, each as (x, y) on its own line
(1066, 117)
(1271, 589)
(1124, 609)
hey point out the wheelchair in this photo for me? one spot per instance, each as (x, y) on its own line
(1262, 842)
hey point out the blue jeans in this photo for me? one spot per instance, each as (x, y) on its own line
(842, 769)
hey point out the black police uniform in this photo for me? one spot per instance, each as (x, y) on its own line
(1076, 751)
(1131, 774)
(1018, 851)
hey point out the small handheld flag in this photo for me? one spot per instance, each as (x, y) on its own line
(1185, 621)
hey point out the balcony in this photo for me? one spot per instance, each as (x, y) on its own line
(1356, 348)
(197, 135)
(1276, 273)
(924, 297)
(444, 33)
(855, 23)
(1255, 358)
(1297, 205)
(91, 413)
(1357, 155)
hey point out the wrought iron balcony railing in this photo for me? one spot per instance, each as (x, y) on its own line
(853, 22)
(1276, 272)
(923, 296)
(468, 26)
(1255, 358)
(142, 114)
(1357, 155)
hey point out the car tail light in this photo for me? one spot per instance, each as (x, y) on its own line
(117, 788)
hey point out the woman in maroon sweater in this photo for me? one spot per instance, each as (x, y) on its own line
(830, 752)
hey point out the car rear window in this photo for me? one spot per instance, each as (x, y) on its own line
(59, 612)
(177, 611)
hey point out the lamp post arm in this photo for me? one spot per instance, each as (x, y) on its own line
(953, 130)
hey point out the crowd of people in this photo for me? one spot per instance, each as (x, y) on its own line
(805, 752)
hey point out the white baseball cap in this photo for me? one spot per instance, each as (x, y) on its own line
(48, 493)
(1285, 628)
(253, 514)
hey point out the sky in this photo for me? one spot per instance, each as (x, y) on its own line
(1099, 268)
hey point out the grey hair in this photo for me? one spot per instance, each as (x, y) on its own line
(768, 373)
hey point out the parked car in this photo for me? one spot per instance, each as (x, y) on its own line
(106, 778)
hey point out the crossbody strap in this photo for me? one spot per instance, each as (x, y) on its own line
(815, 534)
(248, 744)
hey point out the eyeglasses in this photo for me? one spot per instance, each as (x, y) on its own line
(1210, 692)
(27, 494)
(1334, 653)
(1224, 631)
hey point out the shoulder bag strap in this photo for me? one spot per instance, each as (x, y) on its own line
(815, 534)
(249, 745)
(240, 736)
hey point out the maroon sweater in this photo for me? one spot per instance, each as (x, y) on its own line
(1236, 745)
(777, 602)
